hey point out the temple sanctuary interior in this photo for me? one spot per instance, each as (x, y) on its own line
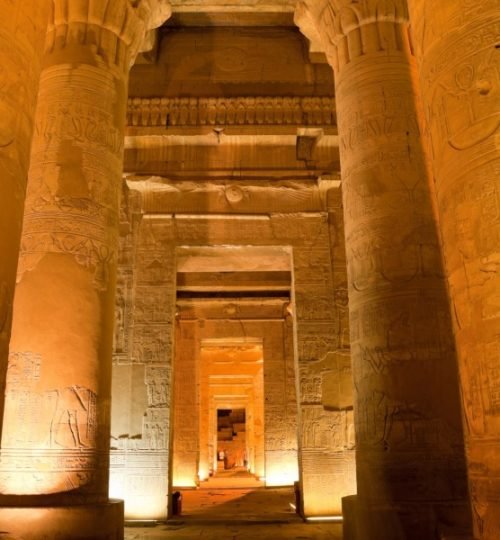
(250, 269)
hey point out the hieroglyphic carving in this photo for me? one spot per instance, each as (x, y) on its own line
(392, 244)
(74, 422)
(21, 45)
(124, 299)
(63, 417)
(322, 486)
(53, 445)
(339, 263)
(230, 229)
(34, 472)
(326, 430)
(458, 55)
(71, 205)
(148, 297)
(323, 431)
(158, 386)
(71, 220)
(309, 232)
(166, 112)
(156, 429)
(300, 228)
(280, 405)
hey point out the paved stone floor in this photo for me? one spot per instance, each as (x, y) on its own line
(237, 514)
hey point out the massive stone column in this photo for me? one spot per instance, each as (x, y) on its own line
(22, 33)
(410, 457)
(55, 441)
(458, 49)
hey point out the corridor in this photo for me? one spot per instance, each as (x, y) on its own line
(236, 514)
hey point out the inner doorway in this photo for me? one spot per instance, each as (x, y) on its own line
(231, 441)
(234, 410)
(232, 452)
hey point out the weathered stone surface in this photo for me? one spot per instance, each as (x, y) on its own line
(321, 320)
(234, 286)
(408, 429)
(247, 111)
(21, 44)
(458, 53)
(57, 405)
(223, 63)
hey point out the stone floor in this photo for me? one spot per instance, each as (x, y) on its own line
(236, 514)
(235, 477)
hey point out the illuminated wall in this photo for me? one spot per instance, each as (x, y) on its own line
(231, 377)
(142, 394)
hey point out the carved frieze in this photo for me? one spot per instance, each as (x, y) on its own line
(242, 111)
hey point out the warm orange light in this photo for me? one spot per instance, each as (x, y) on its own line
(140, 505)
(39, 478)
(203, 473)
(284, 474)
(338, 519)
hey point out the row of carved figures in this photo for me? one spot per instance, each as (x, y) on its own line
(154, 112)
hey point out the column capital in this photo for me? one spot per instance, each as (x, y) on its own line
(347, 29)
(103, 24)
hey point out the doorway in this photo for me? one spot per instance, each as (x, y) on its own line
(234, 410)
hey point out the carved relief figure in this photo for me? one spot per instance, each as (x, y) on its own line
(74, 418)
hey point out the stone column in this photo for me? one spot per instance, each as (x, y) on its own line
(55, 441)
(410, 457)
(458, 49)
(22, 34)
(326, 455)
(186, 407)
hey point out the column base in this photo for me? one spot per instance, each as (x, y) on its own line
(446, 521)
(87, 522)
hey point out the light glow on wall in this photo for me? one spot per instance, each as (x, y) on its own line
(140, 505)
(203, 473)
(184, 482)
(280, 478)
(282, 470)
(338, 519)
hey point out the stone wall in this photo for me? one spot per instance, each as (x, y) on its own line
(325, 424)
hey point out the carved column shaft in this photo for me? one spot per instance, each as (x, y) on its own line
(458, 50)
(410, 462)
(22, 33)
(56, 423)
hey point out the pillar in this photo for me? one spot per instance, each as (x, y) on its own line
(326, 455)
(187, 411)
(409, 456)
(142, 372)
(22, 33)
(55, 441)
(458, 51)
